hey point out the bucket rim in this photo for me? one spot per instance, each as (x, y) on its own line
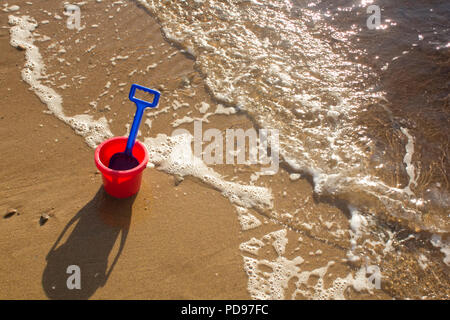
(104, 169)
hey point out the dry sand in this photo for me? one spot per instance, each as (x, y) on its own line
(170, 241)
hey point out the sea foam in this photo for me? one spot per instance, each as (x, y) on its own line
(94, 131)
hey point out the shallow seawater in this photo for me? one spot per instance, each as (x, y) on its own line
(363, 112)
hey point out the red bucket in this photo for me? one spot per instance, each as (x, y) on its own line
(124, 183)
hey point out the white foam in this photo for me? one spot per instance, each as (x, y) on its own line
(184, 120)
(224, 110)
(410, 170)
(94, 131)
(204, 107)
(13, 8)
(357, 221)
(188, 119)
(174, 156)
(252, 246)
(357, 225)
(273, 284)
(148, 123)
(436, 240)
(423, 261)
(269, 285)
(246, 219)
(279, 240)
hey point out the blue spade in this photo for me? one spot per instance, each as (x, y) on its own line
(126, 160)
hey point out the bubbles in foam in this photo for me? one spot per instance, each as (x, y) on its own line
(274, 284)
(246, 219)
(279, 240)
(174, 156)
(252, 246)
(94, 131)
(436, 240)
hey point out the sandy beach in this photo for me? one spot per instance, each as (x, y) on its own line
(178, 238)
(181, 240)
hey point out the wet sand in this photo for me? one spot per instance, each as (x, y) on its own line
(180, 242)
(171, 241)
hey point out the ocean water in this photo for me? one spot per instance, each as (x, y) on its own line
(362, 112)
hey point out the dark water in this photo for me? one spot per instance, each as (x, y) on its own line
(411, 58)
(122, 161)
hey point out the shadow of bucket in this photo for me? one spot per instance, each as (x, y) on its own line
(124, 183)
